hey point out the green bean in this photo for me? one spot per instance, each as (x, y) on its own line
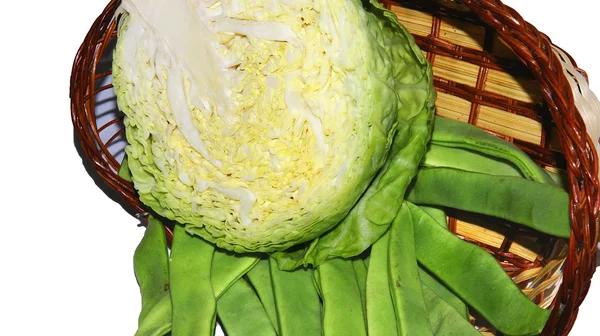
(444, 293)
(158, 320)
(438, 156)
(151, 266)
(436, 213)
(439, 216)
(227, 268)
(539, 206)
(241, 312)
(451, 133)
(260, 278)
(296, 300)
(124, 171)
(444, 319)
(405, 284)
(381, 318)
(192, 296)
(343, 313)
(476, 277)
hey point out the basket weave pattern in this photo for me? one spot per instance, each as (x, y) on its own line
(491, 69)
(497, 22)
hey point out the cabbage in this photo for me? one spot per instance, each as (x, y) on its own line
(261, 124)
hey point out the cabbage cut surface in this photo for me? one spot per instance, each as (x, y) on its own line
(257, 124)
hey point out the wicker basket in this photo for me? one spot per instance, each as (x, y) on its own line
(491, 69)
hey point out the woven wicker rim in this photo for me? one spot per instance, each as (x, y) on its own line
(534, 50)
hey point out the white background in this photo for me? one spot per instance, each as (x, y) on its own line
(66, 249)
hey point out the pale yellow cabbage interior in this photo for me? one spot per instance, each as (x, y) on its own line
(263, 122)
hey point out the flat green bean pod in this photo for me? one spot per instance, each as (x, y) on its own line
(381, 317)
(241, 312)
(476, 277)
(192, 297)
(443, 293)
(405, 284)
(260, 278)
(452, 133)
(439, 216)
(158, 320)
(227, 268)
(444, 319)
(436, 213)
(343, 312)
(124, 171)
(296, 300)
(151, 266)
(542, 207)
(438, 156)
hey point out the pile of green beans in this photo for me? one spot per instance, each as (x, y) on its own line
(417, 279)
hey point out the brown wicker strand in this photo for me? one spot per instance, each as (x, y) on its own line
(83, 108)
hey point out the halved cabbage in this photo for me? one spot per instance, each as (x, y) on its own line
(260, 124)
